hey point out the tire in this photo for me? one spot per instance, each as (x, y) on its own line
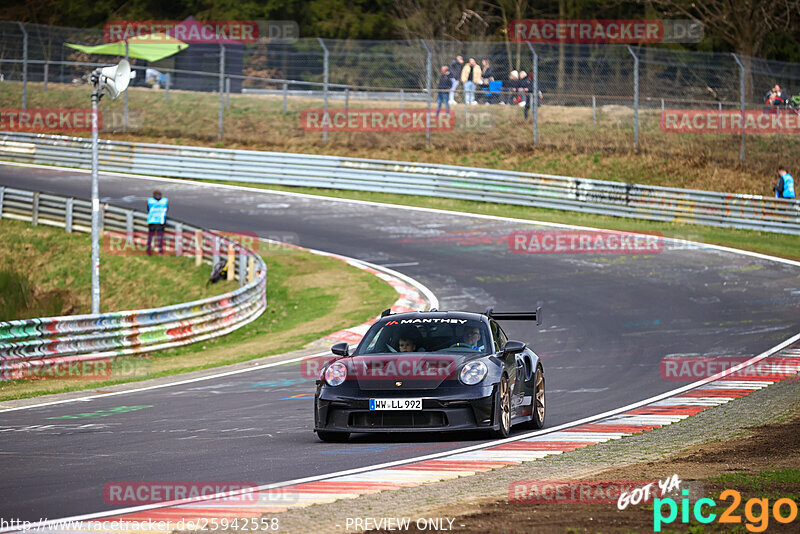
(333, 437)
(502, 412)
(538, 405)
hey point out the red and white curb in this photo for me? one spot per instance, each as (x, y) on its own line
(779, 364)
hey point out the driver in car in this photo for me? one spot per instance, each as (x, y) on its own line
(470, 338)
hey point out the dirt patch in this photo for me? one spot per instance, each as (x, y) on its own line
(765, 464)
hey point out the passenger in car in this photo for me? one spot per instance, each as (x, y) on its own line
(407, 344)
(410, 340)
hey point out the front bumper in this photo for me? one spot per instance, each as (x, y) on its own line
(443, 409)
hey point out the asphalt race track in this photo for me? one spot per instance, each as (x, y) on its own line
(608, 322)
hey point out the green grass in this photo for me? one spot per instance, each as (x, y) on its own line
(761, 480)
(309, 296)
(49, 274)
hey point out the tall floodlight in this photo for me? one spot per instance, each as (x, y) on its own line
(112, 81)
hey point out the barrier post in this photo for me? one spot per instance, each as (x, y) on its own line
(68, 215)
(221, 91)
(231, 261)
(2, 194)
(178, 239)
(125, 103)
(741, 103)
(35, 213)
(215, 252)
(535, 94)
(24, 65)
(46, 69)
(635, 99)
(251, 270)
(227, 91)
(242, 268)
(324, 91)
(129, 226)
(285, 94)
(428, 91)
(198, 247)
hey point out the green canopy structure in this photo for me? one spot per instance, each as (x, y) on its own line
(152, 47)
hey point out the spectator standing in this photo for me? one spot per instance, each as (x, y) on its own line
(455, 71)
(156, 220)
(785, 187)
(775, 96)
(523, 89)
(526, 89)
(470, 77)
(445, 83)
(487, 75)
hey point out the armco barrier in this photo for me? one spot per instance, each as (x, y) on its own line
(469, 183)
(32, 343)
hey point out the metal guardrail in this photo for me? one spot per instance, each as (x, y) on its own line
(468, 183)
(35, 343)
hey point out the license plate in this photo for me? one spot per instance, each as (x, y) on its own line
(395, 404)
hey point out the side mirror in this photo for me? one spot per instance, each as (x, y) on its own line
(341, 349)
(513, 347)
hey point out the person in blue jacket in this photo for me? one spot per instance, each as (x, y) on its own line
(785, 187)
(156, 220)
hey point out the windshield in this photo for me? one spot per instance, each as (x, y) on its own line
(426, 335)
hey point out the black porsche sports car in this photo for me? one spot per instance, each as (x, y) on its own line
(431, 371)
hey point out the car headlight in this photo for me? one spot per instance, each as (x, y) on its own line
(335, 373)
(472, 373)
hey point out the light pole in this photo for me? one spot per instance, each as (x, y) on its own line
(113, 81)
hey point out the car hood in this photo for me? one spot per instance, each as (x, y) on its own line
(409, 370)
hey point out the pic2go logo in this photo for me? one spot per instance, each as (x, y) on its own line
(756, 522)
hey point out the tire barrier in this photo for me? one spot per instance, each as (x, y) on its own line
(28, 344)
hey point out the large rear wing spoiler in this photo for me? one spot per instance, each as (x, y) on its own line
(516, 316)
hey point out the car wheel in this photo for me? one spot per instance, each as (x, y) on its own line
(538, 401)
(334, 437)
(502, 409)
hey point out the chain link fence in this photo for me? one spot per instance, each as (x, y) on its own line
(570, 97)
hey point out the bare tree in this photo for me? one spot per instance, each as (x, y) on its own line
(448, 20)
(743, 24)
